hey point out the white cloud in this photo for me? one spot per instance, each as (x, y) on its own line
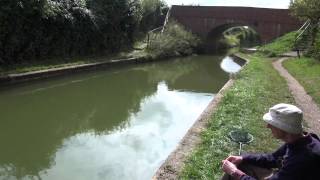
(283, 4)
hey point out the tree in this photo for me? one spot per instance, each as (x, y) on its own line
(307, 10)
(38, 29)
(153, 13)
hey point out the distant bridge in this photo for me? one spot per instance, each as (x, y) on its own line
(207, 20)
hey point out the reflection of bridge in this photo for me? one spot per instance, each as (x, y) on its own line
(209, 20)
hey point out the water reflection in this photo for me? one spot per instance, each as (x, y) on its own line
(115, 124)
(133, 152)
(230, 65)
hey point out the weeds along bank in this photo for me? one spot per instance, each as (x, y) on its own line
(257, 87)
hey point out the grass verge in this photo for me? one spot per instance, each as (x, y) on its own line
(257, 87)
(307, 72)
(279, 46)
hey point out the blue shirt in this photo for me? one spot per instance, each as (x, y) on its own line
(296, 161)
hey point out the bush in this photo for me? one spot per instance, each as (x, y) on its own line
(174, 41)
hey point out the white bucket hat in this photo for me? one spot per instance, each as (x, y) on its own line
(286, 117)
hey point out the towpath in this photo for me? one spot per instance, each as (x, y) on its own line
(303, 100)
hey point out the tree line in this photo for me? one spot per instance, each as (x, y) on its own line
(35, 29)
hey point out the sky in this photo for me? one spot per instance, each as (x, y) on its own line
(279, 4)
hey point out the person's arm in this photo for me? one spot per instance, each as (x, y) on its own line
(265, 160)
(231, 169)
(291, 169)
(262, 160)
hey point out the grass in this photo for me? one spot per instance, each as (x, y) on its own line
(279, 46)
(307, 72)
(257, 87)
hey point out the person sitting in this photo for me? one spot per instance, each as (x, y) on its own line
(297, 159)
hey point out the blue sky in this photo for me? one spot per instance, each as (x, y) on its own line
(282, 4)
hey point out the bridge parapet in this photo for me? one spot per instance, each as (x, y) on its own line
(269, 23)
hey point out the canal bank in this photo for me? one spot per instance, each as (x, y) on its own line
(53, 72)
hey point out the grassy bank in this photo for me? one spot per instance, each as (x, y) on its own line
(258, 86)
(307, 72)
(279, 46)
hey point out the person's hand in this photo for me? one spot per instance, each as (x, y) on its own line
(235, 159)
(228, 167)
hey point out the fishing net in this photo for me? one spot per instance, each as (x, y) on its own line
(241, 137)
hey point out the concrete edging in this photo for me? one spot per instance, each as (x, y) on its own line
(175, 161)
(42, 74)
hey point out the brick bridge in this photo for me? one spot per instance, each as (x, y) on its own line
(207, 20)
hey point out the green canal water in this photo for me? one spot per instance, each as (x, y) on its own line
(112, 124)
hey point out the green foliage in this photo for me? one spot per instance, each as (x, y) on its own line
(279, 46)
(314, 51)
(309, 10)
(36, 29)
(306, 9)
(174, 41)
(257, 87)
(307, 72)
(152, 14)
(241, 36)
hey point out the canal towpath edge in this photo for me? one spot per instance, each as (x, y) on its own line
(58, 71)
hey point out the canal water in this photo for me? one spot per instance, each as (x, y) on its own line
(112, 124)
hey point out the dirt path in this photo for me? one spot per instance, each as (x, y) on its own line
(303, 100)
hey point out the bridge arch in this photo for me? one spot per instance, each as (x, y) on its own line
(213, 35)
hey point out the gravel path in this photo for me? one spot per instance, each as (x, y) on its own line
(304, 101)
